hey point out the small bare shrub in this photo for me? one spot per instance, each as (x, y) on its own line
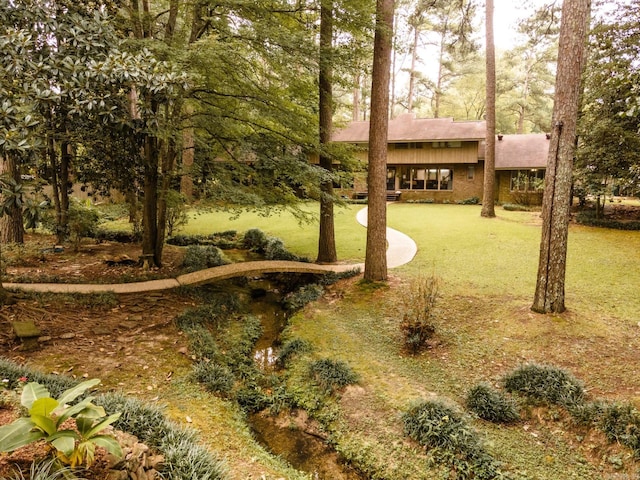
(419, 304)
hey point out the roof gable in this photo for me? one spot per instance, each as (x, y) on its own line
(407, 128)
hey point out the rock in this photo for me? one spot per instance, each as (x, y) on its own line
(68, 336)
(44, 339)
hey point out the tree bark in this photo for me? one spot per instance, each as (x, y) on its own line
(488, 195)
(375, 268)
(11, 225)
(412, 72)
(150, 207)
(550, 284)
(326, 238)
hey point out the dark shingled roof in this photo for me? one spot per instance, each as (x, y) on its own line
(522, 151)
(407, 128)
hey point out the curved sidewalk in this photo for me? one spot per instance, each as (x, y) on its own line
(401, 249)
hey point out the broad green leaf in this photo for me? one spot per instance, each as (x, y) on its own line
(43, 406)
(109, 443)
(44, 423)
(18, 434)
(73, 410)
(71, 394)
(102, 425)
(65, 442)
(31, 392)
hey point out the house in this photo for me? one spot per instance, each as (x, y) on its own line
(441, 160)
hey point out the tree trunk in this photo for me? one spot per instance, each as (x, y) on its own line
(488, 195)
(11, 225)
(375, 268)
(150, 207)
(188, 155)
(62, 229)
(326, 239)
(549, 295)
(355, 114)
(412, 72)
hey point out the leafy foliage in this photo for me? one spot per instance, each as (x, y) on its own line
(491, 405)
(290, 348)
(296, 300)
(542, 383)
(215, 377)
(332, 375)
(46, 421)
(437, 426)
(200, 257)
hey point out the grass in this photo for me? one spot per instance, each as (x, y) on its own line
(484, 329)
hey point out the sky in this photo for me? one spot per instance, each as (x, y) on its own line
(506, 16)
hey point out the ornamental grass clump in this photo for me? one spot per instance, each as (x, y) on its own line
(491, 405)
(297, 300)
(295, 346)
(418, 313)
(448, 437)
(332, 375)
(620, 422)
(215, 377)
(547, 384)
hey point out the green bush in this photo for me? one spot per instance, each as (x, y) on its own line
(418, 313)
(587, 414)
(215, 377)
(83, 221)
(514, 207)
(444, 432)
(252, 400)
(491, 405)
(48, 469)
(470, 201)
(200, 257)
(290, 348)
(297, 300)
(186, 459)
(255, 240)
(588, 218)
(332, 375)
(542, 383)
(275, 250)
(621, 423)
(16, 374)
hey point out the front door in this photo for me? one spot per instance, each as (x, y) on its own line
(391, 178)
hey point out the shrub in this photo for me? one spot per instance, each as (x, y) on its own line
(215, 377)
(491, 405)
(587, 414)
(332, 374)
(48, 469)
(255, 240)
(14, 374)
(621, 423)
(470, 201)
(297, 300)
(589, 218)
(83, 220)
(435, 425)
(252, 400)
(542, 383)
(274, 250)
(514, 207)
(291, 348)
(200, 257)
(419, 302)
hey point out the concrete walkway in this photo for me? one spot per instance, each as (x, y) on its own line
(401, 249)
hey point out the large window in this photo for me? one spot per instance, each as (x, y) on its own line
(527, 180)
(424, 178)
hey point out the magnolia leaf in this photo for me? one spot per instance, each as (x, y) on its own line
(109, 443)
(43, 406)
(45, 423)
(71, 394)
(64, 441)
(31, 392)
(102, 425)
(18, 434)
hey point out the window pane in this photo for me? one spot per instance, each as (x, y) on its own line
(446, 177)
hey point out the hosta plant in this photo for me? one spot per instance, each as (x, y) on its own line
(47, 420)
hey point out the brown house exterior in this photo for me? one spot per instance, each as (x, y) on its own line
(441, 160)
